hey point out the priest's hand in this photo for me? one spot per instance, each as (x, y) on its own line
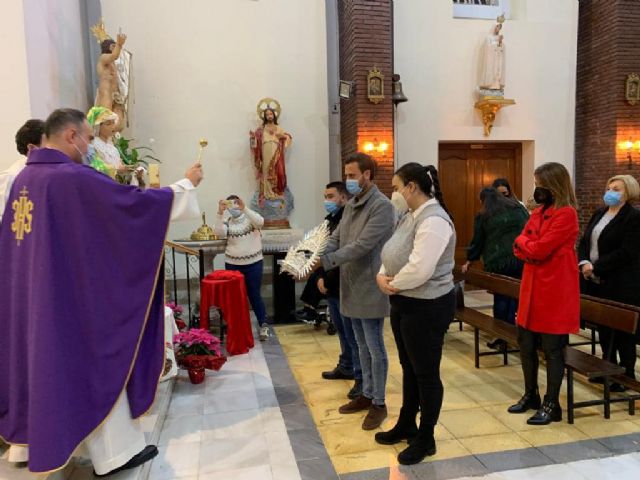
(240, 204)
(222, 206)
(194, 174)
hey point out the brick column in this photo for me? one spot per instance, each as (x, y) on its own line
(366, 41)
(608, 45)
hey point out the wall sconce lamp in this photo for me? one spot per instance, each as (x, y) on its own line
(375, 147)
(629, 146)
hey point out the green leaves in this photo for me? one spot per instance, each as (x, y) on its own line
(132, 156)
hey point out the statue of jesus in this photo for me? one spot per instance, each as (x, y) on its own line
(268, 144)
(494, 59)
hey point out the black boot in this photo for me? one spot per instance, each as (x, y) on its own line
(405, 429)
(356, 390)
(550, 411)
(424, 445)
(529, 401)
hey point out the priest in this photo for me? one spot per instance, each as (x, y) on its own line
(82, 346)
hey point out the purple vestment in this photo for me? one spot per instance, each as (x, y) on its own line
(81, 303)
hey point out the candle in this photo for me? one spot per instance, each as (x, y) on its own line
(154, 175)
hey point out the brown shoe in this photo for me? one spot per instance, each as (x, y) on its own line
(375, 417)
(358, 404)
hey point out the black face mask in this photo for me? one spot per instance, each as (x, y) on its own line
(543, 196)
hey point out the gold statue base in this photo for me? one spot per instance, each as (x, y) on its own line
(489, 107)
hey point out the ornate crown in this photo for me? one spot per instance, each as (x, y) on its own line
(301, 258)
(501, 19)
(100, 32)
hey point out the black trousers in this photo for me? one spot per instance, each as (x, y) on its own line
(622, 344)
(418, 328)
(311, 295)
(553, 347)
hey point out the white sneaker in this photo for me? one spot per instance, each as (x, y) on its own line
(264, 333)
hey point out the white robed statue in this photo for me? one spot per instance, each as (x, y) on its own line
(493, 66)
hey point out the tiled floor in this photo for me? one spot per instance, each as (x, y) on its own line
(474, 423)
(268, 415)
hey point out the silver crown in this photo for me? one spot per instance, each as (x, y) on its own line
(301, 258)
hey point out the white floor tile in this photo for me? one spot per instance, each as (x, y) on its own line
(233, 453)
(231, 401)
(231, 424)
(175, 461)
(183, 429)
(182, 405)
(261, 472)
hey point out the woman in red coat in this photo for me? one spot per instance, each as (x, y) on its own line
(549, 306)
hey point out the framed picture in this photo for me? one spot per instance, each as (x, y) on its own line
(632, 91)
(487, 9)
(345, 89)
(375, 86)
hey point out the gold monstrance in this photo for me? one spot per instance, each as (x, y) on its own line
(204, 233)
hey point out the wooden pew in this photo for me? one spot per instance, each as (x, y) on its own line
(593, 310)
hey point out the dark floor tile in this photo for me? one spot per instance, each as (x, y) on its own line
(514, 459)
(622, 443)
(317, 469)
(379, 474)
(297, 417)
(282, 377)
(307, 445)
(446, 469)
(289, 395)
(571, 452)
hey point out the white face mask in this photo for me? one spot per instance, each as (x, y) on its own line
(398, 201)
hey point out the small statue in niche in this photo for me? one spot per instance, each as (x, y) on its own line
(493, 66)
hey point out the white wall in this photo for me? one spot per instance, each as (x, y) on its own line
(14, 84)
(56, 51)
(43, 48)
(438, 59)
(200, 68)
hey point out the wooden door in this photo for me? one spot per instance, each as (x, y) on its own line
(465, 169)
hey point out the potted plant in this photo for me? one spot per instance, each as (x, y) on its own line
(197, 350)
(132, 158)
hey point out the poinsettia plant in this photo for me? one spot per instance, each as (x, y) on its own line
(197, 348)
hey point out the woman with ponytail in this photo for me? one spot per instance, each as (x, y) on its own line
(416, 273)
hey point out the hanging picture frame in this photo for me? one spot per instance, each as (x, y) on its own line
(375, 86)
(632, 90)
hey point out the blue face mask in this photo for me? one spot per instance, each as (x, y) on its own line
(612, 198)
(353, 187)
(88, 157)
(235, 212)
(331, 207)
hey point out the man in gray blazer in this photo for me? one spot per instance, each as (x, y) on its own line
(355, 246)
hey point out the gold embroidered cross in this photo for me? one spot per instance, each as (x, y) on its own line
(22, 215)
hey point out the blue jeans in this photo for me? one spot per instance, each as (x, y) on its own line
(253, 280)
(373, 357)
(349, 358)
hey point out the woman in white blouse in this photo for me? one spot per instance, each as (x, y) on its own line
(416, 273)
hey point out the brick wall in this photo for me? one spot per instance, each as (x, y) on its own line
(608, 46)
(366, 41)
